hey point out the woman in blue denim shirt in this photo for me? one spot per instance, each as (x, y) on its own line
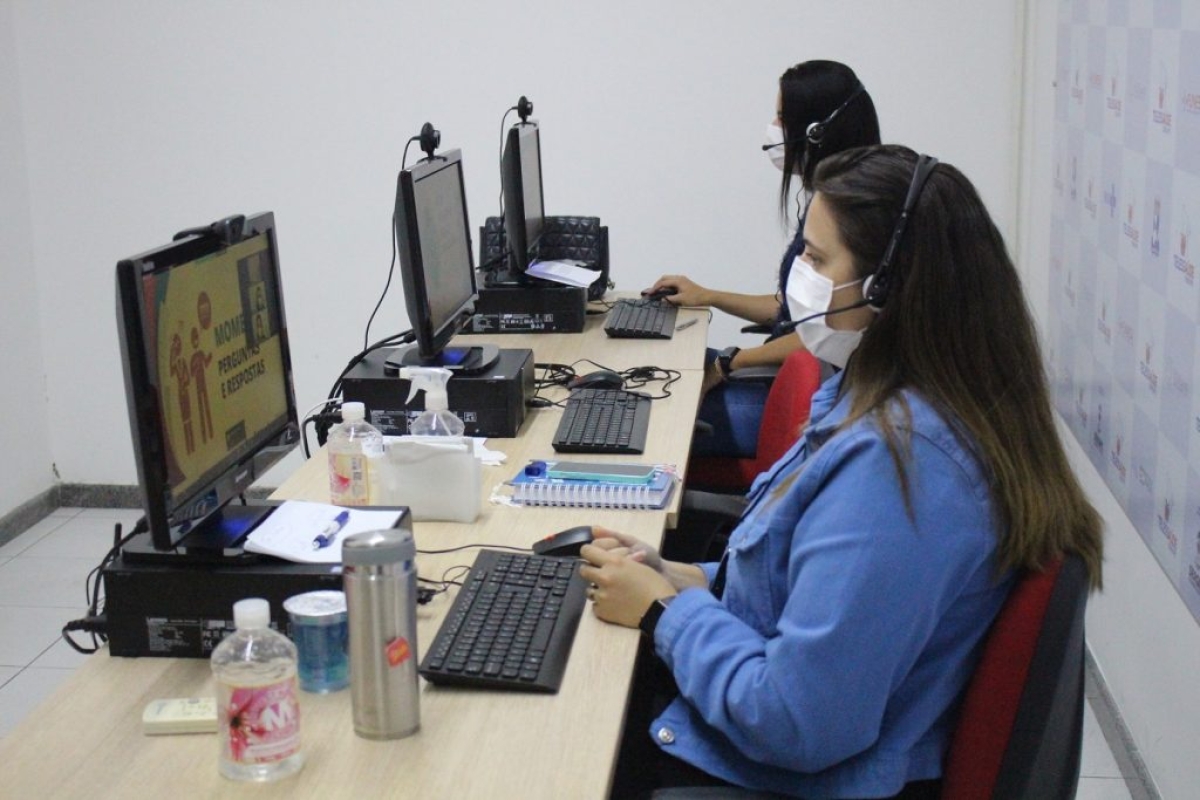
(826, 654)
(821, 108)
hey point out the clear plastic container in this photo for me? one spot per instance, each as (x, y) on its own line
(258, 706)
(355, 454)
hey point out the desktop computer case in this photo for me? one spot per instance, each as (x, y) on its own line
(184, 610)
(529, 309)
(491, 403)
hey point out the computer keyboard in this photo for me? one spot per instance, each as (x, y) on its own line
(641, 319)
(603, 421)
(511, 625)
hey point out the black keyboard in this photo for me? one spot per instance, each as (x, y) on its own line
(641, 319)
(511, 625)
(603, 421)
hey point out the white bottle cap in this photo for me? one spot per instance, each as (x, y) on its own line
(353, 412)
(253, 612)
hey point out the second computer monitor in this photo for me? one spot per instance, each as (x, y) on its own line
(524, 208)
(436, 266)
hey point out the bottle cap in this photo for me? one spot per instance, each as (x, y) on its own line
(253, 612)
(353, 412)
(379, 547)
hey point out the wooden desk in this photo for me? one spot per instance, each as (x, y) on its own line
(86, 740)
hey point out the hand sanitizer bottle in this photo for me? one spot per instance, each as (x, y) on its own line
(436, 419)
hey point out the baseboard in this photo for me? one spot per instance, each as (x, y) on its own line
(1138, 779)
(79, 495)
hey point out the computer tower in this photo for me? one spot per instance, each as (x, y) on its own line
(529, 309)
(490, 403)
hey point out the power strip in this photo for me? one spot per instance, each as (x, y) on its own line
(180, 715)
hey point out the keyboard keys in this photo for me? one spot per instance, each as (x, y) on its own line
(641, 319)
(603, 421)
(511, 626)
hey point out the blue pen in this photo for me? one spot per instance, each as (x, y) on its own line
(327, 536)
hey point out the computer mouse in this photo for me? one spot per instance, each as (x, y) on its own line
(600, 379)
(661, 293)
(564, 543)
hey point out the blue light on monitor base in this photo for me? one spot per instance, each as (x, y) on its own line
(216, 539)
(467, 360)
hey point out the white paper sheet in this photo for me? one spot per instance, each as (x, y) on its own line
(289, 531)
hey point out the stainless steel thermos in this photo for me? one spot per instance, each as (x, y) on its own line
(380, 580)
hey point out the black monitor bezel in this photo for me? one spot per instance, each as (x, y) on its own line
(172, 518)
(431, 338)
(522, 248)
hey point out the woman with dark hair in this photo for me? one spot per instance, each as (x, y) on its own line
(826, 654)
(821, 108)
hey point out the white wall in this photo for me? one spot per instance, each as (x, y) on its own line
(1145, 641)
(24, 438)
(142, 118)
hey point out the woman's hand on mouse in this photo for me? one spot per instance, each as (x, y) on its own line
(623, 586)
(687, 291)
(624, 544)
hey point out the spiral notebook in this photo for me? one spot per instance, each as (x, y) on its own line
(541, 490)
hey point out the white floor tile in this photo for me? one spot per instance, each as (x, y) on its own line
(45, 583)
(82, 536)
(1102, 789)
(27, 633)
(32, 536)
(25, 692)
(1098, 760)
(7, 674)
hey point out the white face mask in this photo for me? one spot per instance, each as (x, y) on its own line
(808, 293)
(775, 144)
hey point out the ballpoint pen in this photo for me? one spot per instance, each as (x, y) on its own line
(687, 324)
(327, 536)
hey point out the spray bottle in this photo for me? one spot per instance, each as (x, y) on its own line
(436, 419)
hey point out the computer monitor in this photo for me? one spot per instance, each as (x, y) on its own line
(208, 381)
(437, 268)
(524, 206)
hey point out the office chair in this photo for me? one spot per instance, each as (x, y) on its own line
(784, 414)
(1020, 729)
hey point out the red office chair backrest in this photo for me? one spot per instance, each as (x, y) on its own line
(784, 414)
(1020, 732)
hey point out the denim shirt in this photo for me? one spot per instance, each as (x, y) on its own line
(834, 661)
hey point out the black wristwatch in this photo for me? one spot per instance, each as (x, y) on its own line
(650, 618)
(725, 360)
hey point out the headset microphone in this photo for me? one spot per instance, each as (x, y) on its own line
(792, 324)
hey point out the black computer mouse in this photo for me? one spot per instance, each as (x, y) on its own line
(661, 293)
(564, 543)
(600, 379)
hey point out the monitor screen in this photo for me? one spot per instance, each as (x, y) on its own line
(524, 206)
(207, 375)
(437, 268)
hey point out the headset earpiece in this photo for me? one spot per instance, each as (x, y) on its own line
(815, 132)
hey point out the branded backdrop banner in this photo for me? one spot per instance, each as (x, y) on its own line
(1123, 339)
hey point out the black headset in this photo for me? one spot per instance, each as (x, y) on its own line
(815, 132)
(877, 285)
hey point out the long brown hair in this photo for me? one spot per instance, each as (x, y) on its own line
(956, 330)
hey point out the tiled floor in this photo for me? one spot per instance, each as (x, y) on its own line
(42, 574)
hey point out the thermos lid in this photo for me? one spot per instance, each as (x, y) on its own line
(379, 547)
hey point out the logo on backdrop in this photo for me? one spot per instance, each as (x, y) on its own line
(1183, 263)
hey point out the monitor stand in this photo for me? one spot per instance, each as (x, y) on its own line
(465, 360)
(215, 540)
